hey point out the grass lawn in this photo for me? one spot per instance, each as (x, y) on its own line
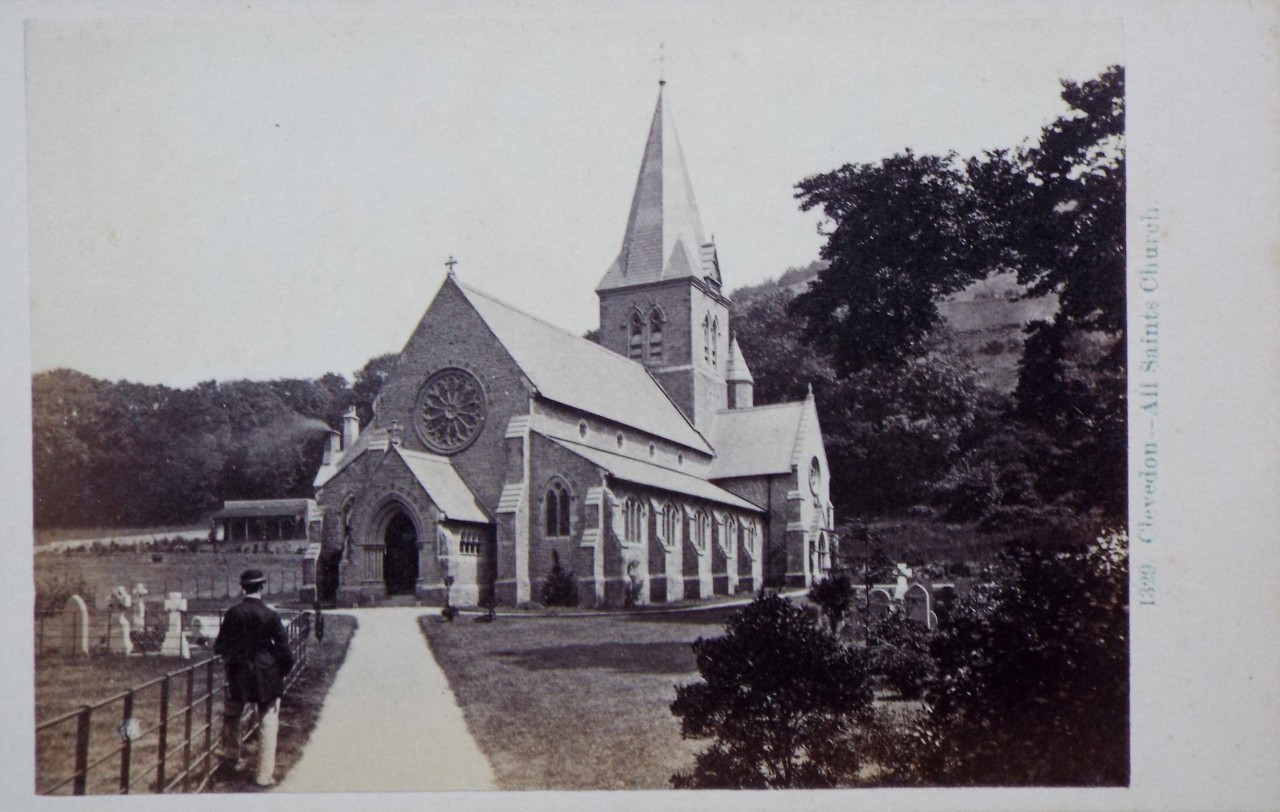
(575, 703)
(64, 683)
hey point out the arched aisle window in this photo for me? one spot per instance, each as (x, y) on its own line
(556, 509)
(635, 344)
(634, 517)
(706, 338)
(702, 531)
(671, 524)
(655, 335)
(715, 340)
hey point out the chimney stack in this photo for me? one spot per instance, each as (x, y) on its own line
(350, 427)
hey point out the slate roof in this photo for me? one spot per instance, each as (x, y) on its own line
(444, 485)
(579, 373)
(760, 440)
(664, 237)
(639, 472)
(259, 508)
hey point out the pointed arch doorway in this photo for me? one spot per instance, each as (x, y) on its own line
(400, 556)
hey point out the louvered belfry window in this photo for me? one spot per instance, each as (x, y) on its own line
(635, 347)
(655, 335)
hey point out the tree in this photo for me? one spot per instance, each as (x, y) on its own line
(834, 596)
(1033, 673)
(902, 240)
(783, 699)
(1060, 206)
(892, 431)
(63, 408)
(369, 381)
(772, 341)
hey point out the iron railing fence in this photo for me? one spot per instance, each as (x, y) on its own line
(157, 737)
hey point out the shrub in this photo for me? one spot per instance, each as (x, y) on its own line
(560, 588)
(1033, 672)
(900, 654)
(785, 702)
(834, 595)
(635, 585)
(53, 597)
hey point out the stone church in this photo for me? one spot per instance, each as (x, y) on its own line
(501, 442)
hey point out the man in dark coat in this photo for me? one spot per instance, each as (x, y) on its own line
(253, 642)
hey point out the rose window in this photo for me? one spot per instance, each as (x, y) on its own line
(451, 411)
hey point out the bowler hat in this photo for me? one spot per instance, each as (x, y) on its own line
(252, 577)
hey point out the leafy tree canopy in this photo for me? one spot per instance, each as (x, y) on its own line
(901, 241)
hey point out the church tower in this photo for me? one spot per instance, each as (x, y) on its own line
(661, 302)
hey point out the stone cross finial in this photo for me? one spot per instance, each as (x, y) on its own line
(451, 264)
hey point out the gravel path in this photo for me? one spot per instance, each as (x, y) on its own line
(390, 722)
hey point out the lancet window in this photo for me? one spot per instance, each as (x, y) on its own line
(633, 517)
(702, 531)
(557, 509)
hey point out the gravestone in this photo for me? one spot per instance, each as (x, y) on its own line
(139, 606)
(75, 627)
(880, 604)
(310, 558)
(118, 639)
(917, 603)
(175, 642)
(204, 629)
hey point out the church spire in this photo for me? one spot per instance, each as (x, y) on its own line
(664, 237)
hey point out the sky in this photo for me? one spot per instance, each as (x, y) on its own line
(264, 197)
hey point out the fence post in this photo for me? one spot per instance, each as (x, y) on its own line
(82, 750)
(126, 749)
(208, 720)
(164, 733)
(186, 732)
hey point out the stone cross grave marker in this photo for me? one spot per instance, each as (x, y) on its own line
(119, 640)
(75, 627)
(140, 606)
(900, 588)
(175, 642)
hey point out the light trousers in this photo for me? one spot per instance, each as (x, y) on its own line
(268, 729)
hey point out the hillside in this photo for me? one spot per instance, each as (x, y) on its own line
(986, 318)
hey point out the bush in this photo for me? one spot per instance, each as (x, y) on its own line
(900, 654)
(635, 585)
(53, 597)
(834, 595)
(786, 703)
(560, 588)
(1033, 672)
